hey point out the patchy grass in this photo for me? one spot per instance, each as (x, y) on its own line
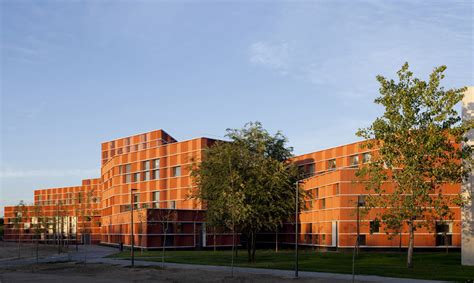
(433, 265)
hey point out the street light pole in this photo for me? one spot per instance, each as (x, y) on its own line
(296, 228)
(132, 240)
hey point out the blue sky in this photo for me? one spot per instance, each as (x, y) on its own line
(74, 74)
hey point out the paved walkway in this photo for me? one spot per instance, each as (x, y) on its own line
(97, 254)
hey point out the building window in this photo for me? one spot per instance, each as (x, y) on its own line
(366, 157)
(316, 193)
(336, 188)
(146, 176)
(310, 170)
(112, 144)
(136, 200)
(172, 204)
(444, 240)
(136, 177)
(146, 165)
(375, 226)
(176, 171)
(120, 169)
(156, 163)
(156, 174)
(332, 164)
(128, 168)
(323, 238)
(156, 199)
(354, 160)
(362, 240)
(443, 227)
(323, 203)
(127, 141)
(128, 178)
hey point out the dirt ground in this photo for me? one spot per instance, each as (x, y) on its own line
(9, 250)
(71, 272)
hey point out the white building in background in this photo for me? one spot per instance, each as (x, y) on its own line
(467, 236)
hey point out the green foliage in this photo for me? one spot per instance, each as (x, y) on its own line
(247, 183)
(419, 141)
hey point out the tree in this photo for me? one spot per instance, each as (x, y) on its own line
(19, 213)
(165, 216)
(418, 143)
(39, 225)
(247, 183)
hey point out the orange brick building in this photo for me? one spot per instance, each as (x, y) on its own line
(152, 171)
(330, 217)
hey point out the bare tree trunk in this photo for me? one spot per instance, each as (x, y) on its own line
(233, 247)
(276, 241)
(163, 250)
(19, 242)
(400, 241)
(410, 245)
(214, 238)
(446, 241)
(253, 246)
(37, 247)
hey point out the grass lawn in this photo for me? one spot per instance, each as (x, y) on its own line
(435, 265)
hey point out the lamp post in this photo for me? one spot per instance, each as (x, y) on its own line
(132, 240)
(360, 202)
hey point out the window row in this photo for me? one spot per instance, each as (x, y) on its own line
(309, 170)
(149, 175)
(145, 165)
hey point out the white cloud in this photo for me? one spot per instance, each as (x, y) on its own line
(9, 173)
(274, 56)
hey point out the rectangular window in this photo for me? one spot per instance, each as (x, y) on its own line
(172, 204)
(366, 157)
(316, 193)
(336, 189)
(310, 171)
(354, 161)
(156, 163)
(146, 165)
(136, 177)
(443, 227)
(120, 169)
(444, 240)
(332, 164)
(128, 178)
(156, 196)
(323, 203)
(374, 227)
(146, 176)
(176, 171)
(127, 141)
(156, 174)
(362, 240)
(136, 200)
(128, 168)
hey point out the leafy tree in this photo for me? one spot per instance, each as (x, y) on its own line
(247, 183)
(418, 143)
